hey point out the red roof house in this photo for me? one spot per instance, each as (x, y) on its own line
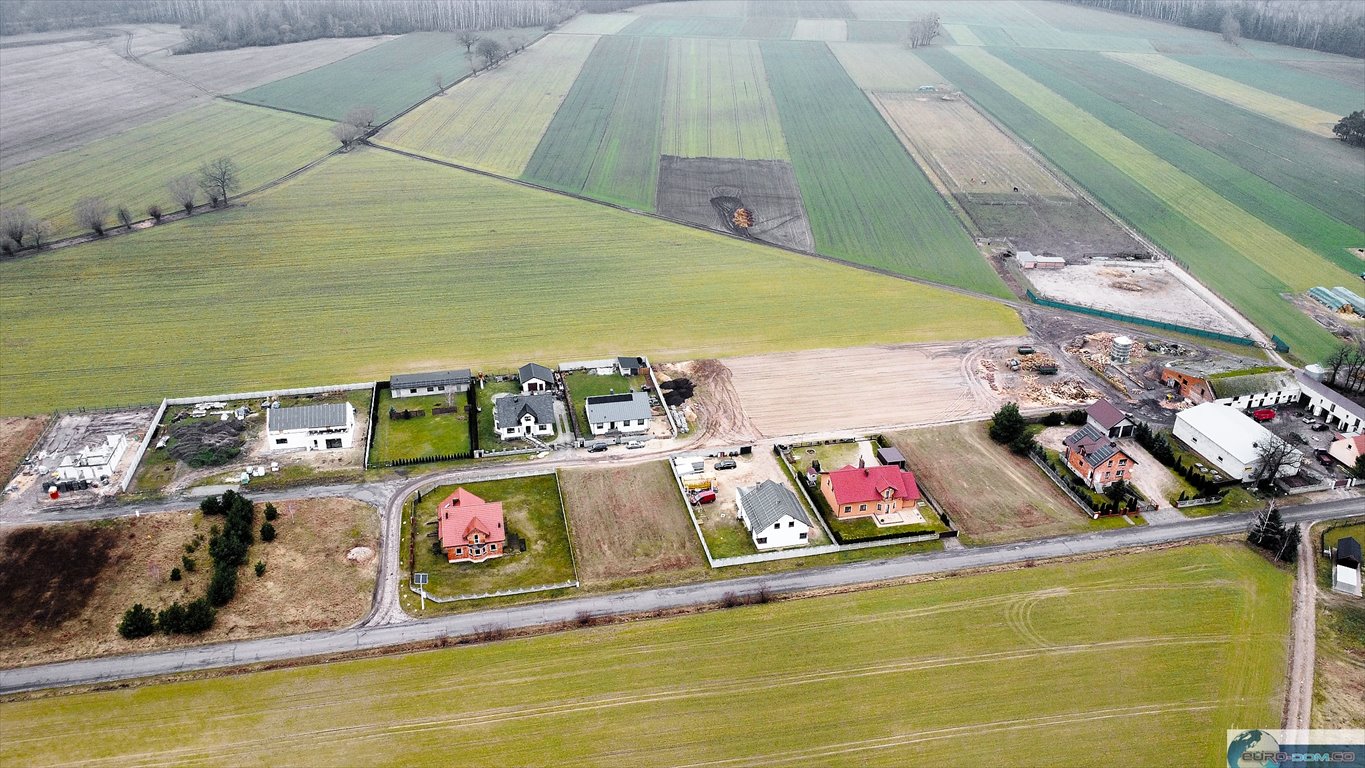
(863, 491)
(470, 528)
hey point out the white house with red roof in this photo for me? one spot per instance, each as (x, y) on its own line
(470, 528)
(863, 491)
(1347, 449)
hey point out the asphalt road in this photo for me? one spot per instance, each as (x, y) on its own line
(101, 670)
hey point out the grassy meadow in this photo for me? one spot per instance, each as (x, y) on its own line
(494, 121)
(717, 102)
(604, 140)
(1149, 656)
(867, 201)
(132, 168)
(321, 281)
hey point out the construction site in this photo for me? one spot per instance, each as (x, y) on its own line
(81, 459)
(1143, 288)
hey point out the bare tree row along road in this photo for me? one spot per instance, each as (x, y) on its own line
(221, 655)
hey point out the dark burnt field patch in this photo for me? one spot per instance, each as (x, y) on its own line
(710, 191)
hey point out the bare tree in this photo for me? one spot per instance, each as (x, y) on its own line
(16, 224)
(1355, 362)
(92, 213)
(347, 134)
(1273, 456)
(439, 80)
(154, 211)
(40, 232)
(184, 190)
(218, 179)
(1230, 28)
(1334, 362)
(467, 38)
(362, 117)
(125, 216)
(923, 30)
(489, 50)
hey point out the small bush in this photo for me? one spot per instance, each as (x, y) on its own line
(271, 513)
(188, 563)
(1022, 444)
(1054, 419)
(267, 532)
(175, 574)
(199, 616)
(1076, 418)
(138, 621)
(1007, 424)
(223, 586)
(172, 620)
(260, 569)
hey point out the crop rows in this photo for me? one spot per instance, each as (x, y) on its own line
(493, 122)
(132, 168)
(373, 261)
(867, 200)
(1240, 257)
(604, 140)
(884, 67)
(718, 104)
(1337, 96)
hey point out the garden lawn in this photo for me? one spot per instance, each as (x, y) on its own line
(132, 168)
(867, 201)
(425, 436)
(1150, 655)
(583, 385)
(717, 102)
(494, 121)
(604, 140)
(488, 432)
(531, 509)
(390, 77)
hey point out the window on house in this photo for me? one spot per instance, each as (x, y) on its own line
(803, 535)
(777, 525)
(848, 508)
(1122, 462)
(459, 550)
(431, 389)
(862, 507)
(281, 441)
(1120, 474)
(412, 391)
(791, 523)
(761, 540)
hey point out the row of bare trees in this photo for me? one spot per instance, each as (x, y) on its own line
(922, 31)
(1345, 367)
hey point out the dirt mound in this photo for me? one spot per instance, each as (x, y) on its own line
(724, 193)
(207, 443)
(359, 555)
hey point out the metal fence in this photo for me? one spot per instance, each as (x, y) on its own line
(1244, 341)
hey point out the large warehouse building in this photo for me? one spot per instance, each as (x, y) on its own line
(1229, 440)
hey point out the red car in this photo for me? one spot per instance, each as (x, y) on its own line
(704, 497)
(1264, 414)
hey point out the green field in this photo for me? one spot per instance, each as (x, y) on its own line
(494, 121)
(320, 281)
(1244, 259)
(531, 510)
(390, 77)
(1149, 656)
(867, 201)
(717, 102)
(664, 26)
(132, 168)
(425, 436)
(1281, 79)
(604, 140)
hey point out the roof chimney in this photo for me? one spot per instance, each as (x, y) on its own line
(861, 463)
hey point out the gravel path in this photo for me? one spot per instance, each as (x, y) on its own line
(1298, 701)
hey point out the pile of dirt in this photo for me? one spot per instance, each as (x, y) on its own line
(207, 443)
(359, 555)
(677, 391)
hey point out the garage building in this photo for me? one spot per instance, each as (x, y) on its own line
(1229, 440)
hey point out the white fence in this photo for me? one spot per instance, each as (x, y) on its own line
(142, 449)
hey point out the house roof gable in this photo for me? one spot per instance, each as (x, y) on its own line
(768, 502)
(432, 379)
(855, 485)
(626, 406)
(508, 409)
(1105, 413)
(462, 513)
(321, 416)
(534, 371)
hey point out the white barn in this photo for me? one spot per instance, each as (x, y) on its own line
(1335, 409)
(773, 516)
(1229, 440)
(96, 461)
(434, 383)
(627, 413)
(516, 416)
(310, 427)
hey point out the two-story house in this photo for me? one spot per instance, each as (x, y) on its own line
(863, 491)
(470, 528)
(1097, 459)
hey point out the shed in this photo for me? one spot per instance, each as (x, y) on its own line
(891, 456)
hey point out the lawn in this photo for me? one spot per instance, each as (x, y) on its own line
(850, 531)
(1340, 653)
(717, 102)
(583, 385)
(392, 277)
(428, 435)
(390, 77)
(867, 201)
(488, 432)
(132, 168)
(604, 140)
(494, 121)
(1150, 655)
(991, 495)
(1245, 260)
(629, 524)
(531, 510)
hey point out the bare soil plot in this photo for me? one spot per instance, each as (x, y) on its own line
(60, 96)
(628, 522)
(885, 67)
(1145, 289)
(237, 70)
(68, 585)
(725, 535)
(17, 434)
(992, 495)
(1071, 229)
(840, 389)
(707, 191)
(71, 433)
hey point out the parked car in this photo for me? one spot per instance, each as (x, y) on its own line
(1308, 420)
(703, 497)
(1319, 427)
(1323, 457)
(726, 464)
(1263, 414)
(635, 444)
(597, 447)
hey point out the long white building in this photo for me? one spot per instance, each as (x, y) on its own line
(1229, 440)
(310, 427)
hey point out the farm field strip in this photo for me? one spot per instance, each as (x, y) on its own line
(1200, 630)
(801, 9)
(1271, 249)
(494, 121)
(390, 77)
(133, 167)
(677, 26)
(242, 68)
(1334, 89)
(884, 67)
(1238, 279)
(1310, 188)
(597, 24)
(1289, 112)
(963, 34)
(867, 200)
(604, 140)
(717, 102)
(488, 287)
(826, 30)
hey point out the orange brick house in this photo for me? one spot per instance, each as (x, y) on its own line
(863, 491)
(1096, 459)
(470, 528)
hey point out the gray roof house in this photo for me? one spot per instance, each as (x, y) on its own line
(629, 406)
(509, 409)
(629, 366)
(411, 384)
(326, 416)
(767, 502)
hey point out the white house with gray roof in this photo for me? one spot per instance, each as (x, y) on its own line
(1338, 411)
(434, 383)
(518, 416)
(627, 413)
(535, 378)
(773, 515)
(310, 427)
